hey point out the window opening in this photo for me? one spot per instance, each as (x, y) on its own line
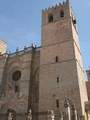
(16, 88)
(16, 75)
(57, 103)
(62, 14)
(57, 79)
(57, 59)
(50, 18)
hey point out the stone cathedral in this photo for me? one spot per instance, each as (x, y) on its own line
(42, 78)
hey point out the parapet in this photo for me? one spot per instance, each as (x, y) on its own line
(60, 5)
(3, 47)
(23, 51)
(56, 13)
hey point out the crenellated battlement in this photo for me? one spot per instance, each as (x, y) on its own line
(56, 13)
(59, 5)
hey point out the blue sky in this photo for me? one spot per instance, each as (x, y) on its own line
(20, 23)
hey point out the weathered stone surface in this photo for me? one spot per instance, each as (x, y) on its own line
(56, 73)
(60, 39)
(10, 99)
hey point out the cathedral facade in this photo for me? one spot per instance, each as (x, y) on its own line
(41, 78)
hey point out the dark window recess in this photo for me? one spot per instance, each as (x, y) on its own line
(62, 14)
(57, 103)
(57, 79)
(16, 75)
(50, 18)
(57, 59)
(74, 21)
(16, 89)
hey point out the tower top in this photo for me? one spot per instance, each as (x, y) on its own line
(59, 5)
(56, 13)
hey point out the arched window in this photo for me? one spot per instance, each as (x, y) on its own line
(16, 75)
(61, 13)
(50, 18)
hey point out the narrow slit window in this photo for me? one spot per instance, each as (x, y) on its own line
(57, 103)
(16, 88)
(57, 79)
(74, 21)
(57, 59)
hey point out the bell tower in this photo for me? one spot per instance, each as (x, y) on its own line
(61, 67)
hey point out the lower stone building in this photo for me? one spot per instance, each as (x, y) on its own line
(14, 89)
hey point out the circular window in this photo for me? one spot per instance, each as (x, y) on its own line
(16, 75)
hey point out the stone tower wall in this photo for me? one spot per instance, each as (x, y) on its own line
(79, 63)
(58, 41)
